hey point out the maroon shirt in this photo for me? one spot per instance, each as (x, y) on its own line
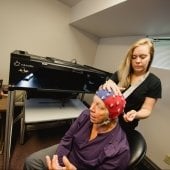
(108, 151)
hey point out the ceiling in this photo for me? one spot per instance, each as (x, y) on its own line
(131, 18)
(70, 3)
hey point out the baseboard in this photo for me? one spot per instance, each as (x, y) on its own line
(149, 164)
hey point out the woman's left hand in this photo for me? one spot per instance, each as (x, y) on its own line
(130, 116)
(112, 86)
(54, 164)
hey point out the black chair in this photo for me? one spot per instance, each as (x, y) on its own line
(138, 148)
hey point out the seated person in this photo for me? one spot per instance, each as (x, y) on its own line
(95, 141)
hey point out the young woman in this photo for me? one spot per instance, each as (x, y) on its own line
(95, 141)
(133, 71)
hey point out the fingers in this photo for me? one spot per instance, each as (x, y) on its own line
(125, 118)
(111, 86)
(68, 164)
(55, 163)
(52, 164)
(130, 116)
(48, 161)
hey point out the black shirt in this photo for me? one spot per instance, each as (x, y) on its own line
(150, 87)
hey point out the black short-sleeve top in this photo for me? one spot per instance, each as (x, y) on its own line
(150, 87)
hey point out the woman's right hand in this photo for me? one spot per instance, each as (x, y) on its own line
(112, 86)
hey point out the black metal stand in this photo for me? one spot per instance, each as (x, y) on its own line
(8, 129)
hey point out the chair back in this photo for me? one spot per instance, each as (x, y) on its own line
(138, 148)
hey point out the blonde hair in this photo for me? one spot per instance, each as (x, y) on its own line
(125, 69)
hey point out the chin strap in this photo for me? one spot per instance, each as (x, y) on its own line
(105, 122)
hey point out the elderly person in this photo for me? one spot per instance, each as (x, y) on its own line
(95, 141)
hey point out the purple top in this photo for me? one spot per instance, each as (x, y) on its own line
(108, 151)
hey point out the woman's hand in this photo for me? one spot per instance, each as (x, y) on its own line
(130, 116)
(54, 164)
(111, 86)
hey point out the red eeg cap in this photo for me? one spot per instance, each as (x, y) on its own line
(114, 103)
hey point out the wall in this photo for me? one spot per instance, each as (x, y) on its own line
(110, 52)
(156, 128)
(41, 27)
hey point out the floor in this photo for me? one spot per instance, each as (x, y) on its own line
(1, 161)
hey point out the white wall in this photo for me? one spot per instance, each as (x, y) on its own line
(41, 27)
(156, 128)
(110, 52)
